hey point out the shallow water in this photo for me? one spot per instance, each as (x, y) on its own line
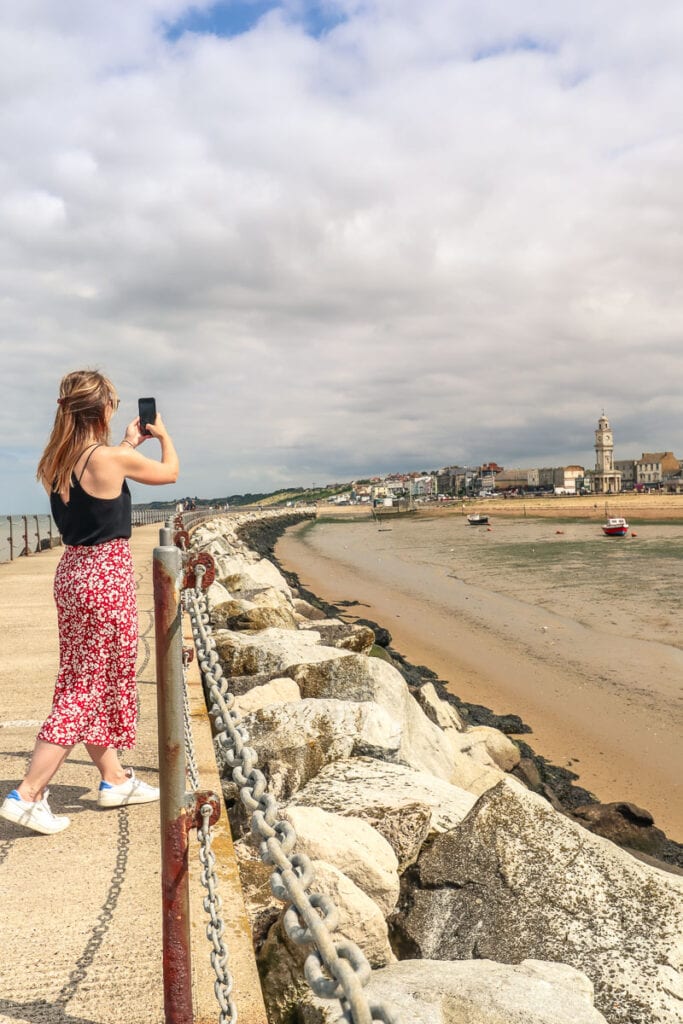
(629, 586)
(576, 632)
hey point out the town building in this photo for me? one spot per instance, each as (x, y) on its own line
(627, 468)
(606, 479)
(648, 470)
(488, 473)
(423, 486)
(568, 479)
(517, 480)
(652, 469)
(449, 480)
(546, 478)
(655, 467)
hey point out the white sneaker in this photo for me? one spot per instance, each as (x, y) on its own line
(132, 791)
(36, 816)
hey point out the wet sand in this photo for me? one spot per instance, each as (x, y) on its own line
(578, 634)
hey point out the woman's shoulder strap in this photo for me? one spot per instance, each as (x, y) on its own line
(93, 449)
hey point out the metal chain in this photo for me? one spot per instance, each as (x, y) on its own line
(332, 970)
(190, 758)
(213, 904)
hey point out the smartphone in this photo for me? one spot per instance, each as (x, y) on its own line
(147, 411)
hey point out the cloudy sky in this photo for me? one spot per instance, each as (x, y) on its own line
(343, 237)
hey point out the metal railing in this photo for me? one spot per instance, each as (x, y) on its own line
(149, 516)
(23, 535)
(336, 970)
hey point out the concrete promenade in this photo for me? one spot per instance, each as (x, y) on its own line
(80, 912)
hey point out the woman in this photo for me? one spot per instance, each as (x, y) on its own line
(95, 699)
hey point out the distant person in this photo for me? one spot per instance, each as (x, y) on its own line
(95, 698)
(180, 507)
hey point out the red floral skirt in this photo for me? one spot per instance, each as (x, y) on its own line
(95, 699)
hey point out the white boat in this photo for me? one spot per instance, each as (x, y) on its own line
(615, 527)
(477, 519)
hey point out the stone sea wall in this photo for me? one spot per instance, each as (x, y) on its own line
(474, 899)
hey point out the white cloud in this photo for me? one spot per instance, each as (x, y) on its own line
(438, 231)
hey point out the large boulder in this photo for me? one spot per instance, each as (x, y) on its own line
(225, 613)
(438, 710)
(475, 992)
(294, 741)
(268, 597)
(272, 650)
(351, 845)
(254, 610)
(474, 768)
(240, 685)
(404, 805)
(216, 595)
(275, 691)
(423, 744)
(499, 748)
(308, 610)
(623, 823)
(348, 636)
(517, 880)
(237, 573)
(262, 617)
(214, 544)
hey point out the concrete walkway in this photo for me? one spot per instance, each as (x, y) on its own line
(80, 912)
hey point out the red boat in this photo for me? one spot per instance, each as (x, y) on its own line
(615, 527)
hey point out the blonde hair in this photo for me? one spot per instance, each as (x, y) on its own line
(81, 417)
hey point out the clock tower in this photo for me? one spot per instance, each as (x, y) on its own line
(606, 479)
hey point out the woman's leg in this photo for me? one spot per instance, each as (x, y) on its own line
(46, 760)
(106, 760)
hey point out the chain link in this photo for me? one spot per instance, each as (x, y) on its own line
(213, 905)
(190, 757)
(333, 970)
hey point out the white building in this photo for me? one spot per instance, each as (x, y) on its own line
(423, 485)
(566, 479)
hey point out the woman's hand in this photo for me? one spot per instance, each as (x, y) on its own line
(157, 429)
(134, 436)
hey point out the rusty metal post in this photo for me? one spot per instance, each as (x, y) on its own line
(27, 550)
(39, 546)
(11, 539)
(175, 820)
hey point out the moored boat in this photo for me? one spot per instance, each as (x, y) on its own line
(615, 527)
(477, 519)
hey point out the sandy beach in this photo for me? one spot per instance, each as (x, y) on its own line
(578, 634)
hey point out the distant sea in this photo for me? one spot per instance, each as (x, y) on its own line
(35, 525)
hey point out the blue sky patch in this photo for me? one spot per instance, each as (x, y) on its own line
(521, 45)
(229, 18)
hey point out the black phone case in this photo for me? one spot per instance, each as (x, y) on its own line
(147, 410)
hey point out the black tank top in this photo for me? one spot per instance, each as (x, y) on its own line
(88, 520)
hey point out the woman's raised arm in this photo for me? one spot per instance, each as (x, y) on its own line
(137, 466)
